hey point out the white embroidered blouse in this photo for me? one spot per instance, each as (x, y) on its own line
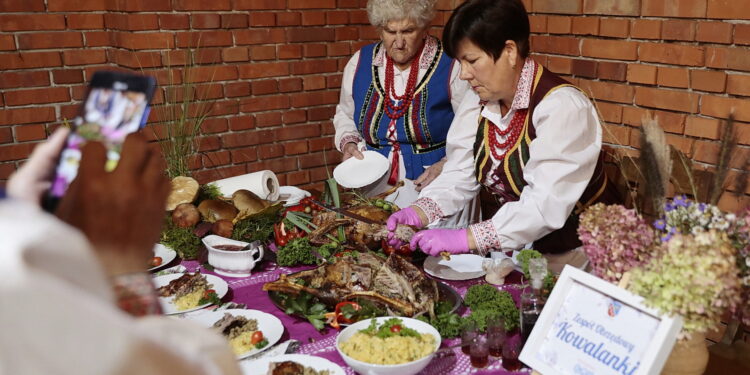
(562, 160)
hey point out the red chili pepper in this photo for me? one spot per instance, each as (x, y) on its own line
(279, 235)
(339, 316)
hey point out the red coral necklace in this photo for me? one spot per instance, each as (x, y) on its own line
(513, 131)
(396, 111)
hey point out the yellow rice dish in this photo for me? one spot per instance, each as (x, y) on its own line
(389, 351)
(241, 343)
(190, 300)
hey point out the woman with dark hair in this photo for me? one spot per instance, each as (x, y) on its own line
(523, 133)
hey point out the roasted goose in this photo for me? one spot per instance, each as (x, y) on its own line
(393, 283)
(359, 234)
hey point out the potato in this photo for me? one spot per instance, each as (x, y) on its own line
(186, 215)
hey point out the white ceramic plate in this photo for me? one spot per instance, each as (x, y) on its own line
(460, 267)
(167, 255)
(355, 173)
(215, 282)
(292, 195)
(268, 324)
(260, 366)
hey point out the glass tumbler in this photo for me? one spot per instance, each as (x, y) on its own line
(468, 333)
(496, 335)
(511, 350)
(479, 352)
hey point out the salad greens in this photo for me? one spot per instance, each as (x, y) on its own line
(390, 328)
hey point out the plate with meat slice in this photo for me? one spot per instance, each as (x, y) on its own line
(183, 292)
(291, 364)
(248, 331)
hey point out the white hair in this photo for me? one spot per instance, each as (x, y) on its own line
(380, 12)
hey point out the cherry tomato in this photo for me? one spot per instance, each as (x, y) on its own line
(396, 328)
(156, 261)
(256, 337)
(207, 293)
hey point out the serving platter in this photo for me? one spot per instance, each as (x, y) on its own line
(260, 366)
(458, 267)
(216, 283)
(355, 173)
(268, 324)
(445, 294)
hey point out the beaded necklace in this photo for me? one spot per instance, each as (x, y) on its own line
(513, 131)
(396, 111)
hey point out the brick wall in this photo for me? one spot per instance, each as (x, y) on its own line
(276, 65)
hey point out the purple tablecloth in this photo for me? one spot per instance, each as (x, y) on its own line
(322, 344)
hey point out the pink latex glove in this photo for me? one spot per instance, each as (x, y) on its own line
(405, 216)
(435, 241)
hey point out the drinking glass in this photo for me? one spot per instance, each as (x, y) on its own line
(468, 333)
(479, 352)
(496, 335)
(511, 350)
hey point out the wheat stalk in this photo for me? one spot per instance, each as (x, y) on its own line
(655, 161)
(727, 143)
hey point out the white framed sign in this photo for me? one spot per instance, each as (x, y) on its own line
(591, 327)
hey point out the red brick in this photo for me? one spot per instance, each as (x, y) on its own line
(555, 44)
(26, 115)
(290, 85)
(269, 86)
(585, 25)
(678, 30)
(610, 49)
(614, 27)
(612, 71)
(204, 39)
(148, 40)
(717, 106)
(294, 116)
(84, 57)
(31, 22)
(16, 151)
(289, 51)
(263, 53)
(708, 80)
(714, 32)
(319, 159)
(78, 6)
(67, 76)
(6, 134)
(610, 112)
(612, 7)
(29, 133)
(728, 9)
(236, 89)
(669, 53)
(28, 60)
(37, 96)
(237, 123)
(264, 103)
(7, 43)
(244, 155)
(246, 138)
(259, 4)
(295, 147)
(666, 99)
(312, 18)
(314, 66)
(22, 6)
(311, 83)
(728, 58)
(218, 158)
(741, 34)
(314, 99)
(311, 4)
(584, 68)
(346, 33)
(174, 21)
(98, 39)
(289, 19)
(560, 65)
(338, 49)
(211, 143)
(134, 60)
(259, 70)
(6, 170)
(201, 5)
(538, 23)
(320, 113)
(259, 36)
(674, 8)
(555, 6)
(738, 84)
(206, 21)
(234, 21)
(310, 34)
(673, 77)
(702, 127)
(140, 5)
(54, 40)
(333, 81)
(669, 121)
(10, 80)
(298, 178)
(268, 119)
(85, 21)
(559, 24)
(645, 29)
(607, 91)
(234, 54)
(314, 50)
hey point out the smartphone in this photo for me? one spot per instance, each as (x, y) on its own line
(116, 105)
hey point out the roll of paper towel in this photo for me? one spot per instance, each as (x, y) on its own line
(263, 183)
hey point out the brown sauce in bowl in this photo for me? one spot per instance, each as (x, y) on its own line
(230, 247)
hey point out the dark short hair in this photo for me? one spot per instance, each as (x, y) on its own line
(488, 24)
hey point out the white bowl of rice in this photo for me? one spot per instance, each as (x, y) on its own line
(396, 355)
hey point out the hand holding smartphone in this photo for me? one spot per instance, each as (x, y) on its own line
(116, 105)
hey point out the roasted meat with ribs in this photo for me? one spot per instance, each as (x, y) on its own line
(393, 283)
(360, 235)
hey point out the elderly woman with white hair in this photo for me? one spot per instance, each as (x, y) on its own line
(398, 97)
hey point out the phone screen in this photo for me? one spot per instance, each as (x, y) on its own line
(115, 106)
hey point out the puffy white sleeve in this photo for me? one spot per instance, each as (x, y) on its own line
(459, 87)
(343, 120)
(452, 190)
(562, 160)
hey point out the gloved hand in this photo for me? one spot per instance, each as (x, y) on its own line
(435, 241)
(405, 216)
